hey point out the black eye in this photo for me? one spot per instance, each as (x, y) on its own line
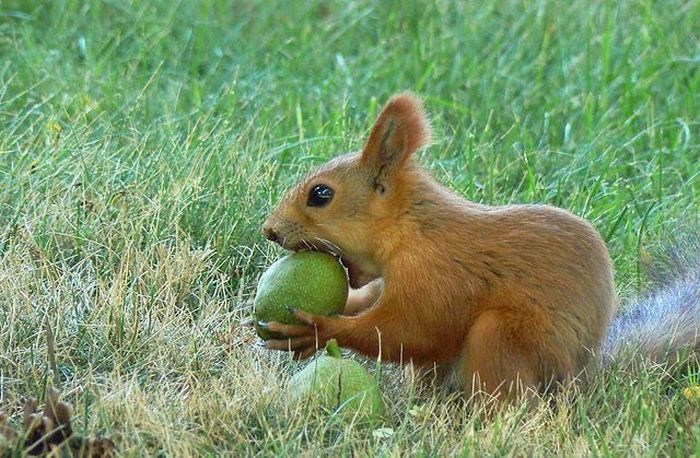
(320, 196)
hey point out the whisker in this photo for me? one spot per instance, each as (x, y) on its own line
(332, 246)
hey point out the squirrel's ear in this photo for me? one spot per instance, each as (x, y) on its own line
(401, 129)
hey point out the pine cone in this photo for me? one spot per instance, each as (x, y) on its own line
(50, 431)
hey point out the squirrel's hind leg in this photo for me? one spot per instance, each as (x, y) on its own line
(496, 360)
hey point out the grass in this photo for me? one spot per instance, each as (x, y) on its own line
(142, 143)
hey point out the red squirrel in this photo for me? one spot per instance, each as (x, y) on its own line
(506, 297)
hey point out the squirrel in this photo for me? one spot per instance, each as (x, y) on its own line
(505, 298)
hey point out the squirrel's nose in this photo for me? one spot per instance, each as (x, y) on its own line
(270, 234)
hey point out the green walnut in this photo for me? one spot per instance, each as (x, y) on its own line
(309, 280)
(342, 386)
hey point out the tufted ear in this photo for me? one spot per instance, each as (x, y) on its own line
(401, 129)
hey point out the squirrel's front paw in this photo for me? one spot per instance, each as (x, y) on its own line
(303, 339)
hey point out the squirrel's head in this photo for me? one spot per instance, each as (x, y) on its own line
(350, 204)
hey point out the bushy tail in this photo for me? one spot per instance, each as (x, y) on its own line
(665, 324)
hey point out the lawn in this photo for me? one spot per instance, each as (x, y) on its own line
(143, 143)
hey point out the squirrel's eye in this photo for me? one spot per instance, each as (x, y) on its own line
(320, 196)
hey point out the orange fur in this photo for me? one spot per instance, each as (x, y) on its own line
(520, 295)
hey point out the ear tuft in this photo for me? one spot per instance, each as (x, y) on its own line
(401, 129)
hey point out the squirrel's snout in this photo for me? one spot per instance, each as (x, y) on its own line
(270, 234)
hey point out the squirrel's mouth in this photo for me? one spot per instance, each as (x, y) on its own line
(356, 277)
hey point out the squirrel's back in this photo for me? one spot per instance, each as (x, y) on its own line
(546, 268)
